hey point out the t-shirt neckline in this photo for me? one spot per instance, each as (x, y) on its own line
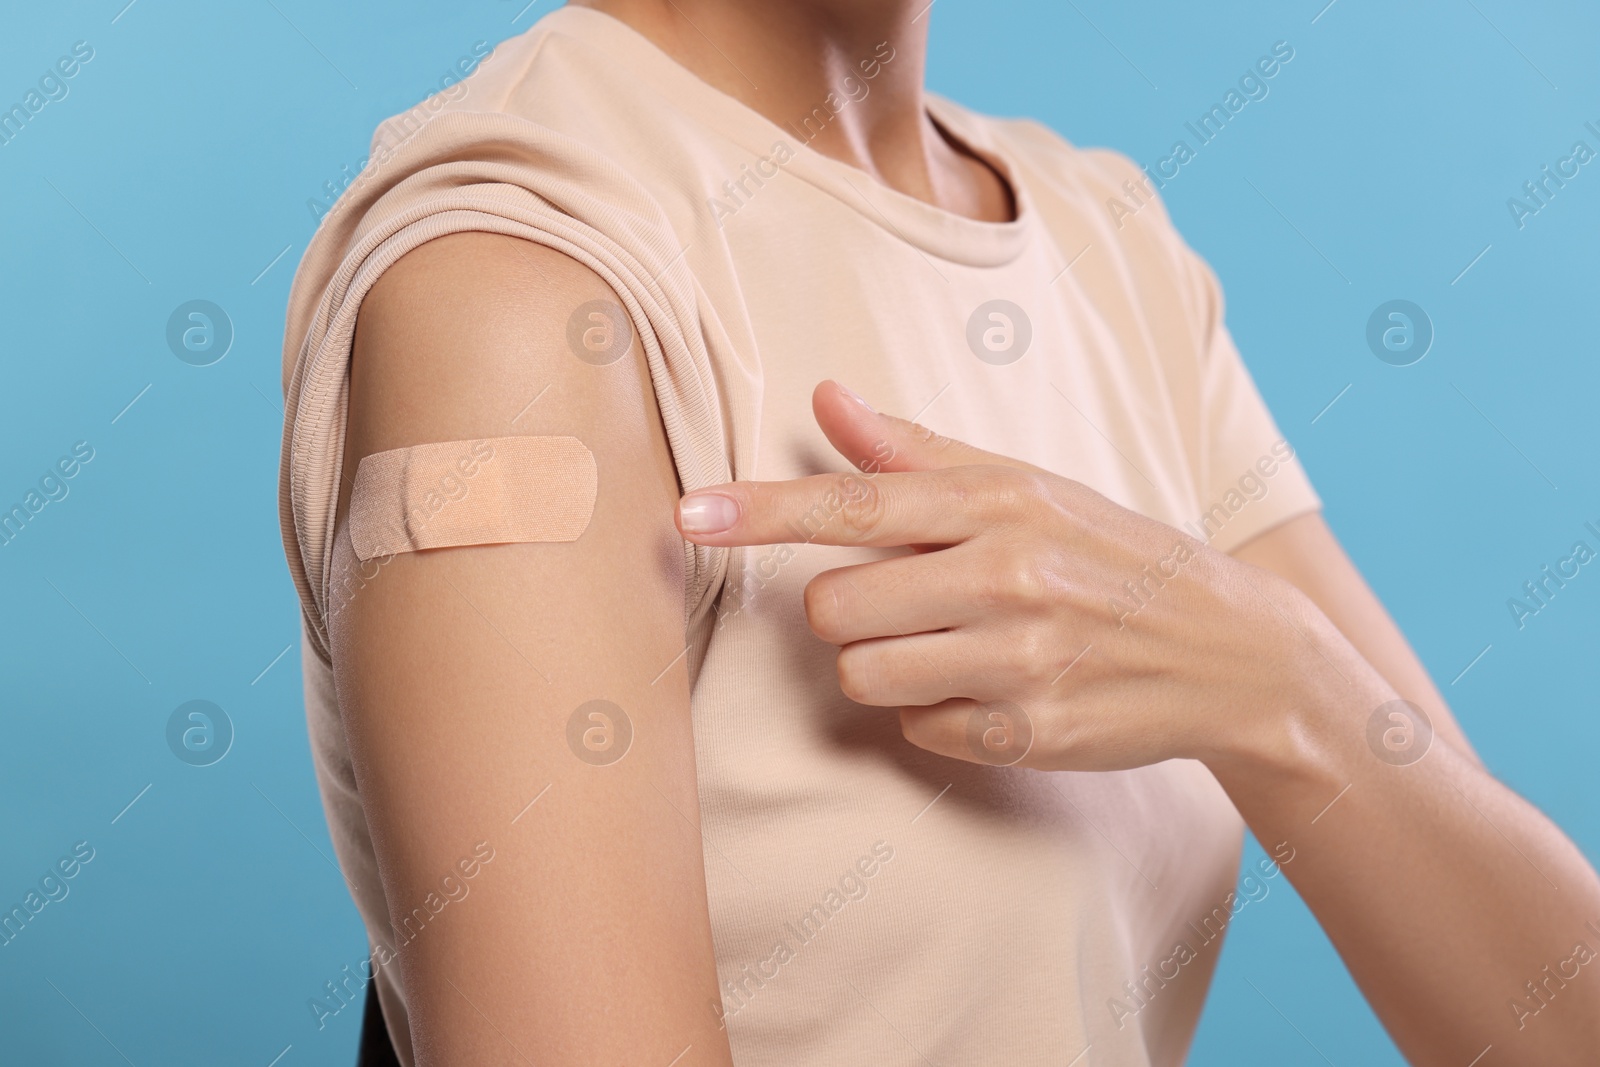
(933, 230)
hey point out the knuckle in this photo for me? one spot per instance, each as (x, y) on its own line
(1019, 579)
(1007, 494)
(861, 508)
(967, 489)
(926, 438)
(1029, 488)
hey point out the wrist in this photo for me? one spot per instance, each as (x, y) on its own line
(1300, 722)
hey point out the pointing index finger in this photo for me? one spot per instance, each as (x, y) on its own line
(880, 510)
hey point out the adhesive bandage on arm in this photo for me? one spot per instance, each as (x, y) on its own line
(495, 491)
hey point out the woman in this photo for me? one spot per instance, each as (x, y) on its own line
(879, 745)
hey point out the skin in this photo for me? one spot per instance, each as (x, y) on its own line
(587, 939)
(1442, 890)
(783, 59)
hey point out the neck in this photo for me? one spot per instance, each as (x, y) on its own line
(843, 76)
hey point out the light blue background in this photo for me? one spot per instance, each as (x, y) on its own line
(180, 165)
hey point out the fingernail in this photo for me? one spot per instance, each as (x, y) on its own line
(853, 395)
(707, 513)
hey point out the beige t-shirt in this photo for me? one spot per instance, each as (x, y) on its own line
(870, 902)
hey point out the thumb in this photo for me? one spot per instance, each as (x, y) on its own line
(875, 442)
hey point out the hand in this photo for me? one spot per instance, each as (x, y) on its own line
(1036, 622)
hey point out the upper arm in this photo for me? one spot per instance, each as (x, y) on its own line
(458, 670)
(1304, 551)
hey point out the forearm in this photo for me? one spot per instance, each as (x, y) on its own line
(1445, 893)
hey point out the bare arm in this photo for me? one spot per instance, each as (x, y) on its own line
(586, 938)
(1304, 551)
(1444, 892)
